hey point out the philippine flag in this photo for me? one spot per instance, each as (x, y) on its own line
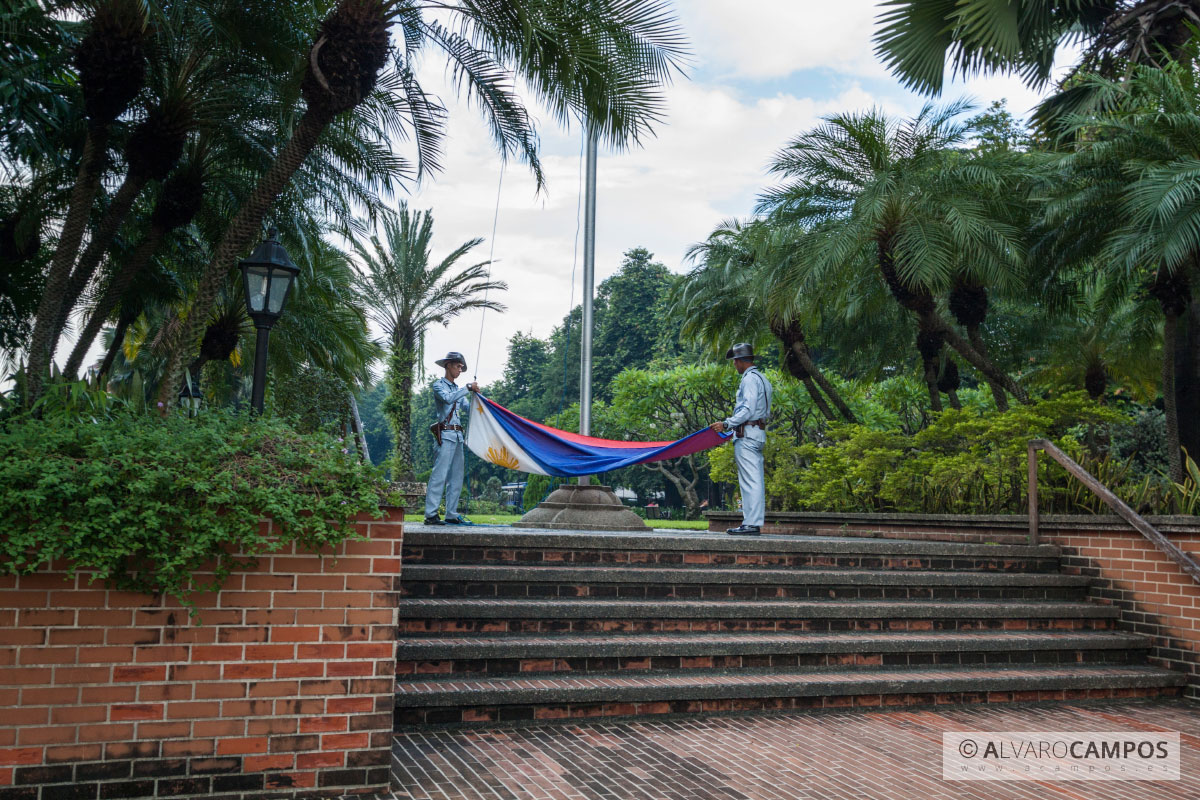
(501, 437)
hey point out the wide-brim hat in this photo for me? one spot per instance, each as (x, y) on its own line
(452, 356)
(740, 350)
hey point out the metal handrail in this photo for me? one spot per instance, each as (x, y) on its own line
(1172, 551)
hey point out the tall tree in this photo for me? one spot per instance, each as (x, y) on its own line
(604, 62)
(731, 296)
(917, 39)
(897, 197)
(633, 323)
(519, 389)
(406, 294)
(111, 63)
(1127, 198)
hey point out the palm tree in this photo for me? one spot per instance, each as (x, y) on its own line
(897, 198)
(728, 297)
(325, 328)
(178, 202)
(918, 38)
(202, 76)
(111, 62)
(603, 62)
(1128, 201)
(407, 295)
(1100, 334)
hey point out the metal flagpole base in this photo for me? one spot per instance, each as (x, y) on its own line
(582, 508)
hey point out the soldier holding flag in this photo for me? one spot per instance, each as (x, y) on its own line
(749, 424)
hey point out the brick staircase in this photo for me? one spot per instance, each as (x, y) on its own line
(502, 625)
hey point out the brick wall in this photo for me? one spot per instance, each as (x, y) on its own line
(1155, 596)
(282, 688)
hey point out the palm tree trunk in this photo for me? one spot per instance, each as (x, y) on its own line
(398, 407)
(797, 371)
(976, 339)
(975, 359)
(792, 336)
(360, 436)
(87, 182)
(1170, 401)
(935, 396)
(1187, 385)
(81, 276)
(114, 346)
(834, 395)
(193, 369)
(921, 303)
(818, 399)
(245, 226)
(112, 296)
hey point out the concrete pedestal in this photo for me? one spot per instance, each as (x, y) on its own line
(582, 508)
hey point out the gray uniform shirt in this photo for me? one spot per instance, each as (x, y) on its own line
(447, 395)
(753, 402)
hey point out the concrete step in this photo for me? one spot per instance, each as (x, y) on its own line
(524, 615)
(427, 545)
(453, 580)
(458, 700)
(523, 654)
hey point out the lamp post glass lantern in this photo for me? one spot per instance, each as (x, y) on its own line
(267, 278)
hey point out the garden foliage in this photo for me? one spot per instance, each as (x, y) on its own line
(313, 399)
(149, 503)
(968, 461)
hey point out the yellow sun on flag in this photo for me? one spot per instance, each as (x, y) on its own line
(503, 458)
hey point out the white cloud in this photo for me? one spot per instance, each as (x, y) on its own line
(706, 165)
(775, 38)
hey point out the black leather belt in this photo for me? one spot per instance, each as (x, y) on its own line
(452, 427)
(740, 430)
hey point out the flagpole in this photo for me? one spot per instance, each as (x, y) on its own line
(589, 283)
(588, 506)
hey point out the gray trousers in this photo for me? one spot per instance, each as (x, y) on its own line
(447, 476)
(748, 453)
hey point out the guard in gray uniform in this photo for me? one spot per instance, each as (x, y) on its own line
(449, 403)
(749, 423)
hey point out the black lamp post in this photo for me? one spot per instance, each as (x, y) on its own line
(267, 277)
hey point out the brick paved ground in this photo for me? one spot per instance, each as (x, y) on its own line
(804, 756)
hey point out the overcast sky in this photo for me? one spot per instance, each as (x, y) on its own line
(763, 71)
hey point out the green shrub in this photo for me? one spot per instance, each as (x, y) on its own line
(146, 502)
(475, 506)
(970, 461)
(312, 400)
(538, 488)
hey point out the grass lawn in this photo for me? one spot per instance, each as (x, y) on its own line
(508, 519)
(680, 524)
